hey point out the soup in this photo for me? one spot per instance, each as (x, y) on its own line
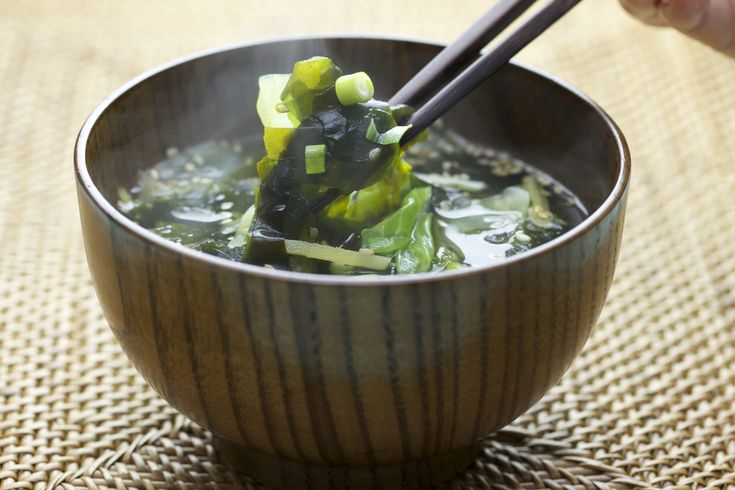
(337, 194)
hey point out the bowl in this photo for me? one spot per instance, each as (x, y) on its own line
(311, 380)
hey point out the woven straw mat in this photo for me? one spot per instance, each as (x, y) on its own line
(649, 403)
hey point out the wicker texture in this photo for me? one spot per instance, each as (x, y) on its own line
(649, 403)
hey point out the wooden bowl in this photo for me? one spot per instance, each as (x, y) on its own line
(302, 375)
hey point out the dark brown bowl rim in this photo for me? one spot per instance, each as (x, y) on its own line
(85, 180)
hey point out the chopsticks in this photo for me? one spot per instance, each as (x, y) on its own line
(450, 59)
(458, 54)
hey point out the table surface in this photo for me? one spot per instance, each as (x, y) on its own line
(649, 403)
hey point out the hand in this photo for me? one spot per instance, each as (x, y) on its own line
(709, 21)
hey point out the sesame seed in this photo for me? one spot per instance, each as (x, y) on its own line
(522, 237)
(172, 151)
(190, 167)
(313, 232)
(237, 148)
(154, 174)
(226, 205)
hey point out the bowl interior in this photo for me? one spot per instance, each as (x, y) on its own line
(213, 96)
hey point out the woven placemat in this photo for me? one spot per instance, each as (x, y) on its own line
(649, 403)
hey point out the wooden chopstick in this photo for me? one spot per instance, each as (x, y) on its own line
(484, 67)
(459, 54)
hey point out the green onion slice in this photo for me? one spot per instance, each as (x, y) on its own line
(354, 88)
(314, 157)
(390, 137)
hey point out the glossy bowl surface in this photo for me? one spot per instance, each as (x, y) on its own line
(338, 371)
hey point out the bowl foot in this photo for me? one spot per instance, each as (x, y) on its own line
(280, 473)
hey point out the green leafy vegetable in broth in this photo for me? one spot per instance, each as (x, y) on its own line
(329, 189)
(394, 232)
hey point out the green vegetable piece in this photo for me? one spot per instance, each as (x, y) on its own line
(276, 141)
(390, 137)
(125, 202)
(418, 255)
(341, 269)
(368, 205)
(450, 251)
(269, 99)
(354, 88)
(538, 199)
(315, 73)
(480, 222)
(314, 159)
(539, 213)
(264, 166)
(336, 255)
(278, 127)
(241, 235)
(542, 218)
(307, 79)
(295, 180)
(298, 263)
(372, 133)
(455, 182)
(453, 266)
(394, 232)
(512, 198)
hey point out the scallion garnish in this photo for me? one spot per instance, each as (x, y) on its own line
(314, 158)
(390, 137)
(354, 88)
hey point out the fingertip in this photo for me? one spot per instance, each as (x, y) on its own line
(685, 15)
(645, 10)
